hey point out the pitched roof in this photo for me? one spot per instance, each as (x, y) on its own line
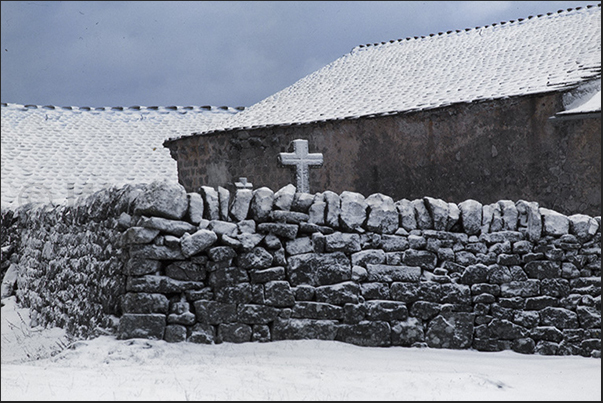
(55, 153)
(538, 54)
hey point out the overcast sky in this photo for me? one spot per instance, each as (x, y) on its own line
(86, 53)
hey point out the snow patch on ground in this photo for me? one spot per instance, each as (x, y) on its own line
(40, 364)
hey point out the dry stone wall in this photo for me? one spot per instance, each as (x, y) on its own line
(258, 265)
(262, 265)
(66, 261)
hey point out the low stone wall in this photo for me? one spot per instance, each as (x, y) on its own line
(258, 265)
(261, 266)
(68, 261)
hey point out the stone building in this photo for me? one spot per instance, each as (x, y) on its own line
(510, 110)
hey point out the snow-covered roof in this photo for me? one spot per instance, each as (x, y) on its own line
(537, 54)
(53, 154)
(581, 102)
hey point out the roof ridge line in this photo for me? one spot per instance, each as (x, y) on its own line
(476, 28)
(127, 108)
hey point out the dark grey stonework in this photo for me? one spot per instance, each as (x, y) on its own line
(465, 275)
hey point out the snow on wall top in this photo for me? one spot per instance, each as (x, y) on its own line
(538, 54)
(54, 154)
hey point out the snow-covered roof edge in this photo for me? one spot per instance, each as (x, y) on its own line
(134, 109)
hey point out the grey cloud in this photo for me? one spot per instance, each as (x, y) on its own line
(197, 53)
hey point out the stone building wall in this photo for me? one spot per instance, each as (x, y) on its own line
(487, 151)
(157, 262)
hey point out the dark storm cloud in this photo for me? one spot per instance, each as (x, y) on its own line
(198, 53)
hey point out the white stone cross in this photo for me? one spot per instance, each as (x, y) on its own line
(243, 184)
(302, 161)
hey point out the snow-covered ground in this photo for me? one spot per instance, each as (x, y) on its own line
(40, 364)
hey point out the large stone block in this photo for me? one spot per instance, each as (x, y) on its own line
(214, 312)
(453, 330)
(144, 303)
(166, 226)
(160, 284)
(405, 292)
(338, 294)
(316, 310)
(197, 242)
(541, 269)
(471, 216)
(506, 330)
(422, 216)
(375, 291)
(501, 236)
(233, 333)
(221, 253)
(302, 202)
(394, 243)
(589, 317)
(380, 310)
(195, 208)
(332, 208)
(477, 273)
(141, 326)
(421, 258)
(372, 256)
(298, 246)
(155, 252)
(211, 204)
(406, 333)
(529, 218)
(185, 270)
(228, 276)
(241, 203)
(583, 226)
(256, 314)
(258, 258)
(175, 333)
(235, 294)
(299, 329)
(287, 231)
(223, 201)
(342, 242)
(318, 269)
(271, 274)
(291, 217)
(261, 204)
(202, 333)
(139, 266)
(406, 214)
(528, 288)
(163, 200)
(388, 273)
(438, 209)
(561, 318)
(554, 223)
(283, 198)
(353, 210)
(425, 310)
(382, 214)
(509, 214)
(139, 235)
(453, 293)
(366, 333)
(279, 294)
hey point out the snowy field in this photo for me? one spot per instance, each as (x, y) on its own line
(40, 364)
